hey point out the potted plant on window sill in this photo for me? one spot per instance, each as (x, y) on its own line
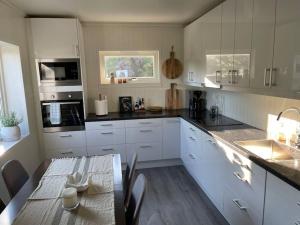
(10, 130)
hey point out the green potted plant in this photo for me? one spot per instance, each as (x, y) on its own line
(10, 130)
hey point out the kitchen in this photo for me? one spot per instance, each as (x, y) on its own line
(198, 99)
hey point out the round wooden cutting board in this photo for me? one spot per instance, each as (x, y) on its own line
(172, 68)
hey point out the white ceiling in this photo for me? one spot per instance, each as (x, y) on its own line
(160, 11)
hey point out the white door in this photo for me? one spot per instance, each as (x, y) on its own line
(242, 42)
(212, 46)
(227, 42)
(171, 138)
(286, 62)
(54, 38)
(262, 43)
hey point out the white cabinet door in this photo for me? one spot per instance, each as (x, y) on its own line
(54, 38)
(242, 45)
(193, 48)
(282, 204)
(64, 140)
(145, 151)
(227, 42)
(262, 43)
(286, 62)
(143, 134)
(171, 138)
(108, 149)
(105, 137)
(212, 46)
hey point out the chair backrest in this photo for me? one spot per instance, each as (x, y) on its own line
(129, 178)
(136, 200)
(2, 206)
(14, 175)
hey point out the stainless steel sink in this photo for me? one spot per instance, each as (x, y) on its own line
(270, 149)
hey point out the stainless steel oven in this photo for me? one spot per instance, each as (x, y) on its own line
(62, 111)
(59, 72)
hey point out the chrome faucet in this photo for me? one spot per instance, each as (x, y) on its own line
(297, 144)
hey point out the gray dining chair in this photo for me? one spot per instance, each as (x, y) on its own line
(136, 200)
(14, 176)
(129, 178)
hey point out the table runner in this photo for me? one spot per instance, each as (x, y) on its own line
(44, 206)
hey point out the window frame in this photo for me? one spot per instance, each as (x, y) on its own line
(3, 101)
(142, 80)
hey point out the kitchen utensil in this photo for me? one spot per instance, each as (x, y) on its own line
(172, 68)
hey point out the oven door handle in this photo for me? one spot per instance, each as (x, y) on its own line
(63, 103)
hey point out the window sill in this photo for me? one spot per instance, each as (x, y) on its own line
(5, 146)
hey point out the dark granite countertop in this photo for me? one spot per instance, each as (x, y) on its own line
(225, 130)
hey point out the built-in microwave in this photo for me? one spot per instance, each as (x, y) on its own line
(62, 111)
(59, 72)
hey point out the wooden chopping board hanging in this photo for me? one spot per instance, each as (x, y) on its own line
(172, 68)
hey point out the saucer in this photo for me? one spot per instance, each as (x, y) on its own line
(72, 208)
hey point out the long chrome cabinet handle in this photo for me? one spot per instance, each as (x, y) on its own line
(218, 72)
(66, 136)
(298, 203)
(145, 131)
(107, 133)
(107, 149)
(272, 81)
(267, 72)
(66, 153)
(238, 176)
(238, 204)
(106, 125)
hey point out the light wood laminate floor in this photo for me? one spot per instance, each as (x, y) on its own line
(173, 197)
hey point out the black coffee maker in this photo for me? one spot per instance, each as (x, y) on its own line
(197, 103)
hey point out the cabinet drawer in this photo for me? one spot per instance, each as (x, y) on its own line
(66, 152)
(105, 137)
(145, 151)
(64, 140)
(108, 149)
(143, 123)
(104, 125)
(143, 135)
(236, 211)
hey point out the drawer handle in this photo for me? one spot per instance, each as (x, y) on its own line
(66, 153)
(241, 164)
(192, 156)
(192, 129)
(212, 142)
(297, 222)
(238, 176)
(107, 133)
(145, 123)
(106, 125)
(193, 139)
(66, 136)
(145, 131)
(107, 149)
(145, 146)
(298, 203)
(238, 204)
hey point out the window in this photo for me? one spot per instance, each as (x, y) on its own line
(132, 66)
(2, 90)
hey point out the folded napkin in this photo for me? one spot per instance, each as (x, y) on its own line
(78, 181)
(100, 183)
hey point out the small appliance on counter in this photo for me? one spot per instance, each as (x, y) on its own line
(101, 108)
(197, 103)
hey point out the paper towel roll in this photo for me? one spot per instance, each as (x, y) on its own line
(101, 107)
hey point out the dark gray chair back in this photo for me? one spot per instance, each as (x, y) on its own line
(14, 176)
(136, 200)
(129, 178)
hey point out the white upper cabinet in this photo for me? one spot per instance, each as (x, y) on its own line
(212, 46)
(282, 203)
(242, 42)
(286, 62)
(227, 42)
(262, 43)
(193, 62)
(54, 38)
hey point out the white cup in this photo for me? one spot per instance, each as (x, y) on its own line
(69, 197)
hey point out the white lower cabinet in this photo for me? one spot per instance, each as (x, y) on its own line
(146, 151)
(282, 204)
(171, 138)
(108, 149)
(105, 137)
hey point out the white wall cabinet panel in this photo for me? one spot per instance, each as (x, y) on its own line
(227, 42)
(286, 62)
(108, 149)
(105, 137)
(55, 38)
(282, 204)
(171, 138)
(212, 46)
(146, 151)
(262, 43)
(242, 42)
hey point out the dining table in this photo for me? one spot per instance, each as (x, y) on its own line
(39, 201)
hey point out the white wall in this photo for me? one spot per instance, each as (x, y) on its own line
(129, 37)
(12, 30)
(251, 109)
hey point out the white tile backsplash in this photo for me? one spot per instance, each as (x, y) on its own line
(250, 108)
